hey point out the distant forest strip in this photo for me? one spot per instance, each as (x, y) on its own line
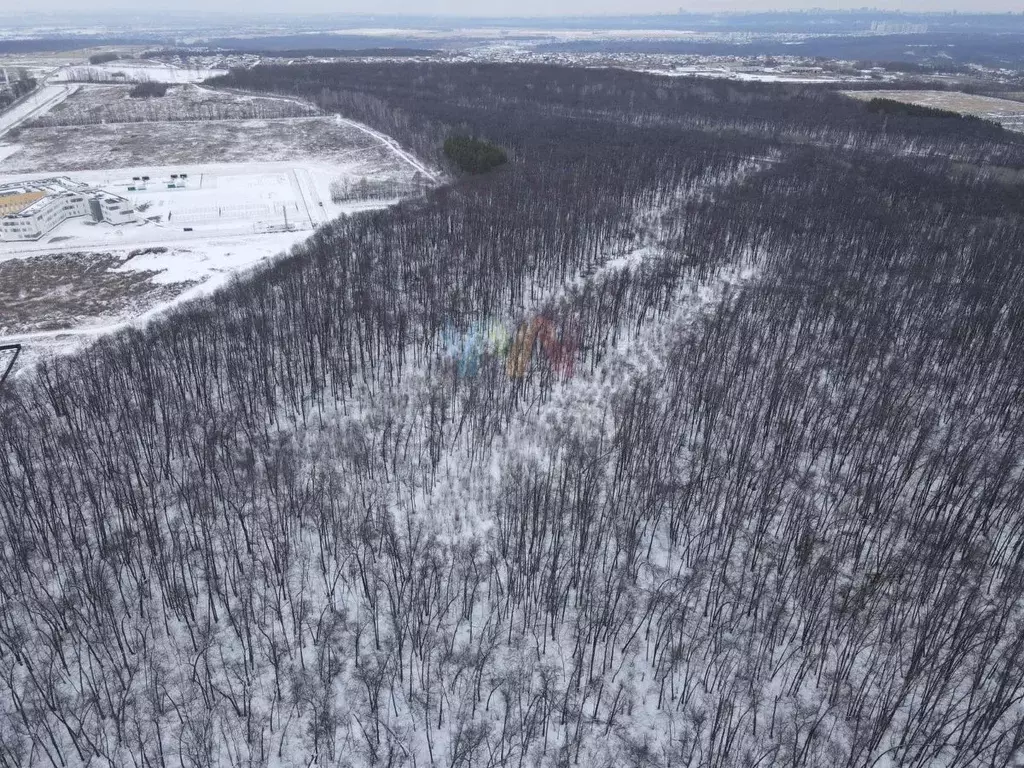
(773, 517)
(325, 42)
(406, 106)
(72, 43)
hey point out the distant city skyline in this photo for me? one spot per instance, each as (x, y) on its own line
(506, 8)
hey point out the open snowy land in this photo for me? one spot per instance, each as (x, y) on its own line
(134, 71)
(73, 286)
(206, 210)
(84, 279)
(55, 303)
(132, 145)
(765, 75)
(94, 104)
(1009, 114)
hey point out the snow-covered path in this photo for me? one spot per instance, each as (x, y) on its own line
(20, 338)
(393, 145)
(383, 138)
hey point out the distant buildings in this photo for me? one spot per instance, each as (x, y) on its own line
(30, 209)
(896, 28)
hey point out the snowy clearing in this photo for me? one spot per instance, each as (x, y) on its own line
(133, 145)
(93, 104)
(1009, 114)
(127, 71)
(205, 210)
(196, 202)
(195, 231)
(387, 141)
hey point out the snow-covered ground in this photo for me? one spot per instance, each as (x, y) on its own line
(218, 200)
(392, 144)
(1006, 112)
(37, 103)
(195, 267)
(96, 103)
(193, 234)
(207, 266)
(226, 218)
(132, 145)
(129, 71)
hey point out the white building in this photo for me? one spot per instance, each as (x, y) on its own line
(28, 210)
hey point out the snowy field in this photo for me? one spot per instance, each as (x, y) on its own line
(84, 279)
(206, 212)
(133, 71)
(93, 104)
(217, 200)
(766, 76)
(133, 145)
(1009, 114)
(56, 303)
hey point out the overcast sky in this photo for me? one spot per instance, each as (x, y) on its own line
(488, 7)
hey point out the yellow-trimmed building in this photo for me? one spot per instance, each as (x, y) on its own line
(16, 203)
(30, 209)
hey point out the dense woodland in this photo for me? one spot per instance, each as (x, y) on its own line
(768, 514)
(472, 155)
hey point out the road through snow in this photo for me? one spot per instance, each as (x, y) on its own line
(38, 102)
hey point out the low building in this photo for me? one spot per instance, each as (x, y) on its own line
(30, 209)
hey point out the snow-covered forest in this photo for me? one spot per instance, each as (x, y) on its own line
(732, 476)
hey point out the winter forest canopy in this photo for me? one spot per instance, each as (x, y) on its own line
(472, 155)
(691, 438)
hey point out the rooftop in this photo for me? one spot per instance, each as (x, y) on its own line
(15, 202)
(26, 198)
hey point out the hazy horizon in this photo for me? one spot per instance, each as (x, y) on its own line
(500, 9)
